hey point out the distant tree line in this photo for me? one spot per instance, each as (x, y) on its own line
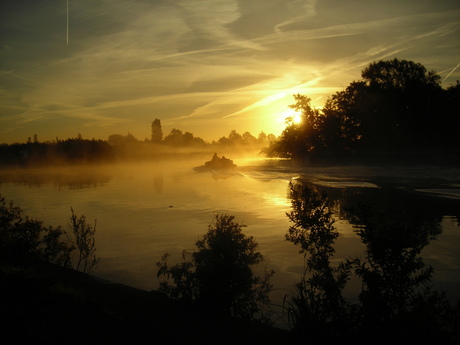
(72, 150)
(121, 147)
(397, 106)
(177, 138)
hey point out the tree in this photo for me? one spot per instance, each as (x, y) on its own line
(23, 239)
(405, 99)
(399, 74)
(342, 126)
(220, 274)
(120, 140)
(300, 140)
(174, 138)
(397, 105)
(157, 133)
(234, 137)
(450, 127)
(248, 139)
(83, 239)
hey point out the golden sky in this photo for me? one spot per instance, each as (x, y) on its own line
(203, 66)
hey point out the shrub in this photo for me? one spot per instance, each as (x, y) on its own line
(219, 276)
(83, 239)
(24, 238)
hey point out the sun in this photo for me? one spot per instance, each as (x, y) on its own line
(296, 117)
(291, 116)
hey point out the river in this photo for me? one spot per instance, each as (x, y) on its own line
(144, 210)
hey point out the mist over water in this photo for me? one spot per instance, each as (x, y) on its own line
(144, 210)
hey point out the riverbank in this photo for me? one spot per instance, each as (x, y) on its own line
(42, 303)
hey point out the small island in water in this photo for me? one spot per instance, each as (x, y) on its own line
(216, 163)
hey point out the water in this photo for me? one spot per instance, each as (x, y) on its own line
(144, 210)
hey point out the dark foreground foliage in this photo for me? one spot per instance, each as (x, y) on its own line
(43, 302)
(23, 240)
(220, 276)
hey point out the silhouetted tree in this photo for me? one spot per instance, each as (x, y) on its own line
(220, 274)
(177, 138)
(248, 139)
(300, 140)
(341, 130)
(450, 126)
(157, 132)
(394, 107)
(84, 241)
(397, 106)
(23, 239)
(234, 137)
(174, 138)
(119, 139)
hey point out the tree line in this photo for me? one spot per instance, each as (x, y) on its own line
(72, 150)
(178, 138)
(121, 147)
(397, 106)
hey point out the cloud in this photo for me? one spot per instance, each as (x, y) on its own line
(265, 101)
(308, 11)
(204, 60)
(452, 71)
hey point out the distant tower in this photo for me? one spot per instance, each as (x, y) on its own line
(157, 133)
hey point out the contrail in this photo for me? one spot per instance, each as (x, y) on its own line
(67, 22)
(453, 70)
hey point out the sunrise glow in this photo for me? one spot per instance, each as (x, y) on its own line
(290, 116)
(207, 67)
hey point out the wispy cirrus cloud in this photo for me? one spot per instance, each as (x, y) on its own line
(224, 62)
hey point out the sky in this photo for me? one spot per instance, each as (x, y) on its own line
(202, 66)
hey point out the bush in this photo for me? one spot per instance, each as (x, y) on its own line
(23, 239)
(219, 276)
(84, 241)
